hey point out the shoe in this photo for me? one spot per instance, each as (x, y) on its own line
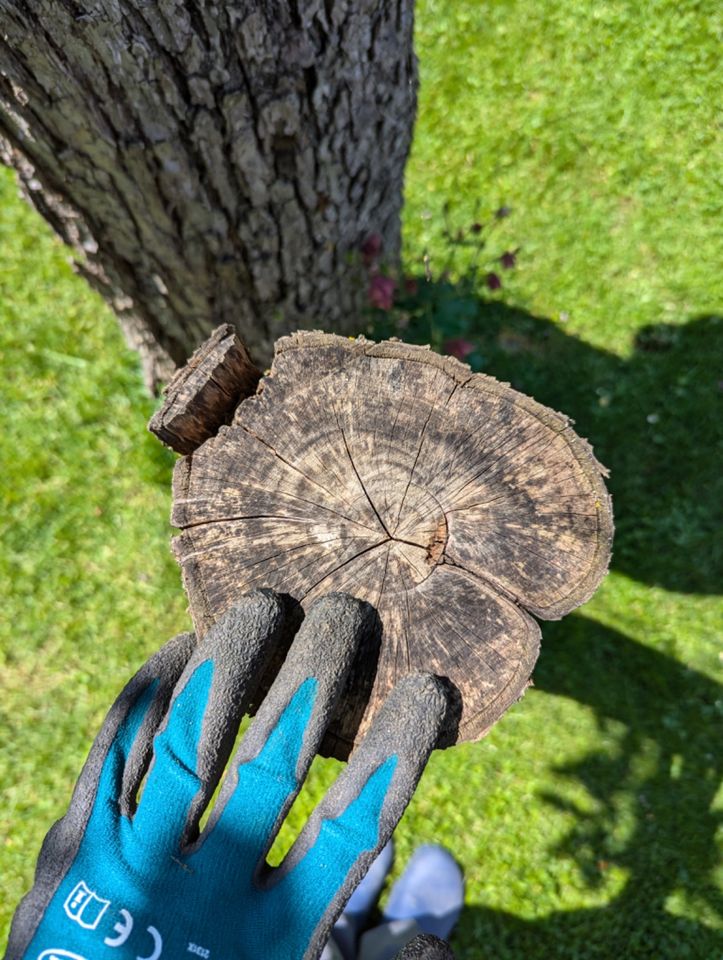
(347, 928)
(430, 891)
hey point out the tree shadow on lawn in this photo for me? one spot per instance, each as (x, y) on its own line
(666, 767)
(654, 419)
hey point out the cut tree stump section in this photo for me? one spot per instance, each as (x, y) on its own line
(453, 504)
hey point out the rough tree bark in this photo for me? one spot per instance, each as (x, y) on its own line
(212, 162)
(452, 503)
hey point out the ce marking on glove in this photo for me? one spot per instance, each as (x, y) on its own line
(85, 907)
(124, 927)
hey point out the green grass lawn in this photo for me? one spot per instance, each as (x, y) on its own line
(586, 821)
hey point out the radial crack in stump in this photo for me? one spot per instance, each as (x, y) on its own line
(453, 504)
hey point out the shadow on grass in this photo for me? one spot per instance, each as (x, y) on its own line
(666, 767)
(654, 419)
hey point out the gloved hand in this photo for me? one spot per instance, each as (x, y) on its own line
(121, 878)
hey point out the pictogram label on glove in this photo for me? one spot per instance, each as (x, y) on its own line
(85, 907)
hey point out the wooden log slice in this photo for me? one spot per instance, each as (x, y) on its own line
(452, 503)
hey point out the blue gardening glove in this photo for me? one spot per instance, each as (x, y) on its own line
(121, 878)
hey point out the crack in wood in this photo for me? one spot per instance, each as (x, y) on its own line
(291, 466)
(361, 482)
(419, 451)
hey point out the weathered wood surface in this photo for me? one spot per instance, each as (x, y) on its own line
(204, 394)
(212, 162)
(452, 503)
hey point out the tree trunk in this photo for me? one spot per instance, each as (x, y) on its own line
(453, 504)
(213, 162)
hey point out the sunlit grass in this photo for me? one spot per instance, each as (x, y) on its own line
(585, 822)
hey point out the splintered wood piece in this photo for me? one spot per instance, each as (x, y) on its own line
(453, 504)
(204, 394)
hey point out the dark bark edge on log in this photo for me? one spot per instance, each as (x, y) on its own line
(204, 394)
